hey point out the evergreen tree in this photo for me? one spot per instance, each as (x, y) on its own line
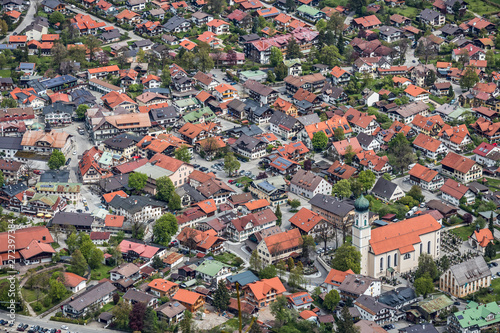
(345, 323)
(278, 214)
(340, 44)
(293, 49)
(221, 297)
(491, 225)
(151, 324)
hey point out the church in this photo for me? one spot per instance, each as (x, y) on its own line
(395, 247)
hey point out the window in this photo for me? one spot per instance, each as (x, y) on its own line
(388, 261)
(420, 248)
(381, 264)
(395, 259)
(429, 247)
(407, 256)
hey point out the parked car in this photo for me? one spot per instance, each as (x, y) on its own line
(196, 166)
(204, 169)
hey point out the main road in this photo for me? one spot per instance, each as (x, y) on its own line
(49, 324)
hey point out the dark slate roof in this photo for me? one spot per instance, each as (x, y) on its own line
(243, 278)
(280, 118)
(250, 130)
(331, 204)
(114, 183)
(236, 104)
(119, 142)
(142, 43)
(428, 14)
(135, 203)
(364, 139)
(51, 3)
(55, 176)
(58, 80)
(11, 143)
(59, 107)
(248, 142)
(419, 328)
(249, 38)
(69, 218)
(397, 297)
(164, 113)
(82, 96)
(191, 191)
(309, 119)
(91, 296)
(109, 35)
(14, 189)
(138, 296)
(174, 22)
(384, 188)
(255, 107)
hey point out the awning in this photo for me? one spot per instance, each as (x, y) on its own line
(390, 270)
(39, 214)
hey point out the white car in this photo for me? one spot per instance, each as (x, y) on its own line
(74, 153)
(64, 327)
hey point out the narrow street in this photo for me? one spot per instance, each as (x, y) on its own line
(30, 16)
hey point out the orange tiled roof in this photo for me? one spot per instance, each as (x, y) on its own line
(336, 277)
(415, 91)
(186, 296)
(72, 280)
(458, 162)
(305, 219)
(261, 288)
(109, 196)
(162, 285)
(403, 235)
(484, 236)
(422, 172)
(426, 142)
(115, 221)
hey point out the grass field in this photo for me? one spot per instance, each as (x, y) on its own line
(4, 73)
(100, 273)
(410, 12)
(463, 232)
(490, 297)
(482, 8)
(30, 295)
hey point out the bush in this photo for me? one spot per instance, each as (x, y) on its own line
(37, 306)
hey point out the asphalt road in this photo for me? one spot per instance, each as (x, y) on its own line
(49, 324)
(30, 16)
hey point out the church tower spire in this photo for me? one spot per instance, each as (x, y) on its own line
(361, 231)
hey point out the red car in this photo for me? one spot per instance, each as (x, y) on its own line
(36, 172)
(230, 181)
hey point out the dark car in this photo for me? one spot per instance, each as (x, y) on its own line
(203, 169)
(494, 264)
(196, 166)
(456, 303)
(68, 161)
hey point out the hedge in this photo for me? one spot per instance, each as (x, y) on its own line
(69, 320)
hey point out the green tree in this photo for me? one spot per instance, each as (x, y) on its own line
(416, 193)
(426, 267)
(271, 77)
(187, 324)
(71, 242)
(293, 49)
(78, 263)
(151, 324)
(268, 272)
(308, 245)
(423, 285)
(183, 154)
(56, 17)
(430, 78)
(349, 154)
(469, 79)
(2, 179)
(56, 160)
(290, 5)
(96, 258)
(57, 290)
(8, 103)
(347, 257)
(400, 153)
(276, 56)
(121, 313)
(280, 310)
(165, 227)
(295, 203)
(319, 141)
(330, 56)
(81, 110)
(451, 93)
(217, 6)
(342, 188)
(175, 202)
(339, 134)
(332, 299)
(387, 176)
(164, 188)
(93, 45)
(137, 180)
(367, 179)
(221, 297)
(490, 252)
(231, 164)
(491, 224)
(166, 79)
(255, 261)
(296, 276)
(281, 71)
(279, 215)
(344, 322)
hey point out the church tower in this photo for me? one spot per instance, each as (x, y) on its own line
(361, 231)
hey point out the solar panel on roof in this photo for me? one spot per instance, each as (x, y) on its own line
(346, 127)
(341, 172)
(429, 123)
(398, 128)
(460, 317)
(336, 169)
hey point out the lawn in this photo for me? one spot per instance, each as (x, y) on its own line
(493, 183)
(244, 180)
(463, 232)
(30, 295)
(410, 12)
(481, 7)
(4, 73)
(485, 297)
(108, 307)
(226, 257)
(101, 273)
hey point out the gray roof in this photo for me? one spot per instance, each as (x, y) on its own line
(248, 142)
(171, 309)
(356, 284)
(364, 139)
(397, 297)
(13, 189)
(191, 191)
(11, 143)
(142, 43)
(114, 183)
(243, 278)
(69, 218)
(306, 180)
(388, 30)
(113, 34)
(55, 176)
(371, 304)
(119, 142)
(471, 270)
(384, 188)
(280, 118)
(419, 328)
(164, 113)
(51, 3)
(138, 296)
(237, 105)
(134, 203)
(92, 296)
(309, 119)
(449, 29)
(331, 204)
(411, 109)
(59, 107)
(429, 14)
(250, 130)
(174, 22)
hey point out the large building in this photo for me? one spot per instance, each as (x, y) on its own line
(32, 246)
(466, 278)
(395, 247)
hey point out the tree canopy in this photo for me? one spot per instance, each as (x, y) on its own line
(165, 227)
(137, 180)
(56, 160)
(347, 257)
